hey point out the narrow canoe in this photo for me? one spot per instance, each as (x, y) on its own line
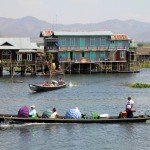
(13, 119)
(40, 88)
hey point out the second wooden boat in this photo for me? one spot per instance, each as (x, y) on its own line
(40, 88)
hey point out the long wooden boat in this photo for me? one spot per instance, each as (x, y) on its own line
(13, 119)
(40, 88)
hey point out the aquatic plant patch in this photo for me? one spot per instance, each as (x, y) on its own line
(139, 85)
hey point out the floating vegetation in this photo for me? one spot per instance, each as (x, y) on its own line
(139, 85)
(145, 65)
(15, 68)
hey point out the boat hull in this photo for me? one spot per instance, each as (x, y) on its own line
(16, 120)
(40, 88)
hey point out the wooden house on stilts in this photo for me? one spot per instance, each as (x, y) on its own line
(90, 51)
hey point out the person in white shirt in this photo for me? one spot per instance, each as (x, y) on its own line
(129, 107)
(54, 114)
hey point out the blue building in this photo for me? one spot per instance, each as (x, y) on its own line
(91, 50)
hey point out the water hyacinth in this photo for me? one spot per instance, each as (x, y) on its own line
(139, 85)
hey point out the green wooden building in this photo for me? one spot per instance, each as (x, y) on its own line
(89, 51)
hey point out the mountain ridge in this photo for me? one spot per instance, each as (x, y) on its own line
(29, 26)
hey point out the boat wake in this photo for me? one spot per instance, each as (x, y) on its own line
(4, 125)
(71, 84)
(7, 125)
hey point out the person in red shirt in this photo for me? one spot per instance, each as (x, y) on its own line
(44, 83)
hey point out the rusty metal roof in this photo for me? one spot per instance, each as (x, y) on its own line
(143, 51)
(119, 37)
(46, 33)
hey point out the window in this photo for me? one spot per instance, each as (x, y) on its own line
(82, 54)
(103, 41)
(92, 55)
(122, 54)
(119, 43)
(102, 56)
(29, 57)
(62, 55)
(92, 42)
(19, 57)
(6, 54)
(63, 42)
(112, 42)
(72, 42)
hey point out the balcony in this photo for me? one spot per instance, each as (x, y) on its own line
(52, 49)
(85, 48)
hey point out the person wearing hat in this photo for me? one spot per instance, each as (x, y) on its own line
(129, 107)
(33, 112)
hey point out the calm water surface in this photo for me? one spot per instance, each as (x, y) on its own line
(102, 93)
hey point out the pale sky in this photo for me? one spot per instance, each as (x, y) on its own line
(76, 11)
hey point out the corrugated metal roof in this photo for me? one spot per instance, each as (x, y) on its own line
(17, 43)
(143, 51)
(119, 37)
(49, 33)
(82, 33)
(9, 47)
(34, 45)
(27, 51)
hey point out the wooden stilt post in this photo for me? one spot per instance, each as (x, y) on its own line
(90, 68)
(42, 69)
(1, 71)
(70, 67)
(79, 68)
(12, 72)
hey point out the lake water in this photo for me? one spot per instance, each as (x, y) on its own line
(102, 93)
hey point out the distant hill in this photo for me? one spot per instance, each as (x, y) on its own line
(31, 27)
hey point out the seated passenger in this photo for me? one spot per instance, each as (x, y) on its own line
(44, 83)
(54, 114)
(51, 85)
(33, 112)
(54, 82)
(60, 81)
(47, 84)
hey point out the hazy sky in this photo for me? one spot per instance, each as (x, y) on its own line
(76, 11)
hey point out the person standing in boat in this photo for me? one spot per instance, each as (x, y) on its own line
(33, 112)
(54, 114)
(129, 107)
